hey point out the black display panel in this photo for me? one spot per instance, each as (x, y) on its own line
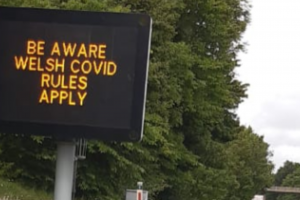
(73, 74)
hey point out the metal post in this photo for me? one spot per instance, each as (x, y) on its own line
(64, 170)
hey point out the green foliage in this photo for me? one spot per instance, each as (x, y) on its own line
(287, 169)
(287, 176)
(30, 159)
(193, 145)
(249, 163)
(291, 180)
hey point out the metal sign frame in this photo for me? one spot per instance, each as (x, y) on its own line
(134, 132)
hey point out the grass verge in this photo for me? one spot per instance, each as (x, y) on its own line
(14, 191)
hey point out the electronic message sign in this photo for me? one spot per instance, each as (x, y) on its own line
(73, 74)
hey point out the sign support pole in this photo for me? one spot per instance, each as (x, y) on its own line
(64, 170)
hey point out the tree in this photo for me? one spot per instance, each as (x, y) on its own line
(191, 129)
(287, 176)
(284, 171)
(291, 180)
(250, 164)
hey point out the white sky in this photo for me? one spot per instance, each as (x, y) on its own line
(272, 68)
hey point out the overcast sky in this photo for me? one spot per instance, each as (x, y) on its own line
(272, 68)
